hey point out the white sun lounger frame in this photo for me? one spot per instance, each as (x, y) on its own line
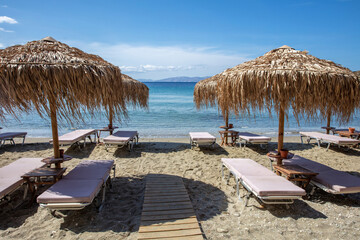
(286, 199)
(244, 141)
(198, 142)
(320, 138)
(11, 137)
(76, 141)
(120, 144)
(78, 206)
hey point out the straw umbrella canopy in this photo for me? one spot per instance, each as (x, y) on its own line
(58, 81)
(206, 95)
(136, 94)
(285, 78)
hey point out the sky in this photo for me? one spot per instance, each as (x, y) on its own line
(155, 39)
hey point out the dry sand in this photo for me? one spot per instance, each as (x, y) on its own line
(221, 215)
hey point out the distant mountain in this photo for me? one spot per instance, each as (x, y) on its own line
(175, 79)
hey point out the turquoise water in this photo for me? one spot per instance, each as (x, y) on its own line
(171, 113)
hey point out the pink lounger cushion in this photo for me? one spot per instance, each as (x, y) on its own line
(12, 135)
(330, 138)
(308, 164)
(251, 137)
(339, 181)
(272, 186)
(10, 175)
(93, 169)
(246, 167)
(75, 136)
(71, 191)
(201, 136)
(120, 137)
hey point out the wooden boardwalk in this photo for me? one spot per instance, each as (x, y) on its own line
(167, 211)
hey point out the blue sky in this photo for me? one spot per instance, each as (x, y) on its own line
(153, 39)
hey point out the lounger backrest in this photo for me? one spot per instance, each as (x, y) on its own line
(121, 136)
(253, 137)
(76, 135)
(11, 135)
(246, 167)
(91, 169)
(10, 175)
(336, 181)
(201, 136)
(330, 138)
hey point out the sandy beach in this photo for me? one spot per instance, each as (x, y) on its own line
(220, 213)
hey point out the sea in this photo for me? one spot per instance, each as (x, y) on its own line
(171, 114)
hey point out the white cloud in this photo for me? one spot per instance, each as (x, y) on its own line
(165, 61)
(4, 30)
(4, 6)
(2, 45)
(5, 19)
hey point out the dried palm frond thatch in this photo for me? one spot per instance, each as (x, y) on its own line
(136, 92)
(56, 79)
(285, 78)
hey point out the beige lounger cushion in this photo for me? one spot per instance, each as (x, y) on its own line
(251, 137)
(272, 186)
(8, 135)
(71, 191)
(7, 185)
(75, 136)
(202, 136)
(308, 164)
(339, 181)
(243, 166)
(331, 138)
(10, 175)
(120, 137)
(91, 169)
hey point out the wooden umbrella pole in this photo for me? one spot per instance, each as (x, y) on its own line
(226, 118)
(54, 128)
(281, 127)
(110, 119)
(328, 123)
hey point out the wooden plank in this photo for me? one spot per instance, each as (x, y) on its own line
(166, 197)
(166, 191)
(167, 204)
(165, 208)
(168, 217)
(158, 228)
(163, 194)
(168, 212)
(175, 233)
(166, 222)
(166, 200)
(195, 237)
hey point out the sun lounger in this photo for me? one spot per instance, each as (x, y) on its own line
(328, 179)
(329, 139)
(261, 182)
(10, 175)
(79, 187)
(121, 139)
(198, 139)
(9, 136)
(246, 137)
(76, 136)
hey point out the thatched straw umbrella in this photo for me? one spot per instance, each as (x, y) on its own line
(206, 95)
(285, 78)
(58, 81)
(136, 94)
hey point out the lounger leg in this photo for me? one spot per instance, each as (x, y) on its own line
(329, 146)
(23, 141)
(247, 197)
(222, 171)
(12, 141)
(318, 141)
(301, 138)
(237, 187)
(25, 191)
